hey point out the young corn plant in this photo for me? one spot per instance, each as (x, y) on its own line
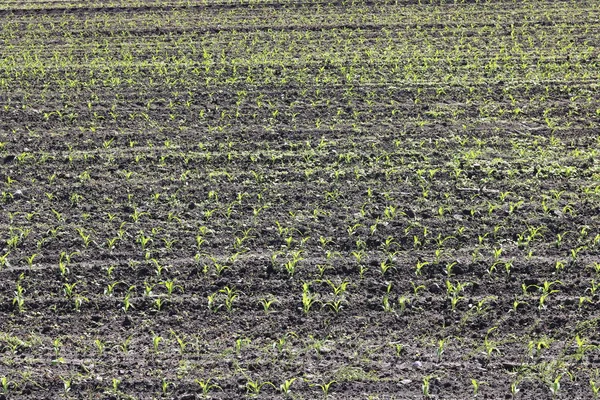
(441, 348)
(212, 302)
(100, 346)
(127, 303)
(18, 300)
(385, 266)
(64, 262)
(181, 343)
(4, 260)
(286, 387)
(547, 291)
(85, 237)
(514, 389)
(454, 292)
(325, 387)
(171, 286)
(78, 300)
(595, 389)
(338, 290)
(425, 386)
(582, 347)
(419, 267)
(490, 346)
(206, 386)
(253, 388)
(231, 295)
(385, 301)
(156, 342)
(267, 303)
(291, 265)
(335, 305)
(403, 302)
(6, 385)
(308, 299)
(555, 386)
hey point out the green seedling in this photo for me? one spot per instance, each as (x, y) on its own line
(285, 387)
(254, 387)
(325, 387)
(206, 386)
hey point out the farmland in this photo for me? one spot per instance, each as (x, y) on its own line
(345, 200)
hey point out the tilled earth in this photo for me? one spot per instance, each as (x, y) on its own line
(237, 201)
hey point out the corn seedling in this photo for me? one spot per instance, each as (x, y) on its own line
(583, 346)
(286, 387)
(441, 348)
(514, 389)
(419, 267)
(254, 387)
(535, 347)
(231, 296)
(64, 261)
(156, 342)
(240, 343)
(384, 266)
(124, 347)
(291, 265)
(490, 346)
(78, 300)
(416, 288)
(338, 290)
(4, 260)
(575, 253)
(110, 288)
(385, 301)
(85, 237)
(68, 289)
(398, 347)
(165, 385)
(127, 304)
(115, 385)
(19, 298)
(29, 260)
(308, 298)
(335, 305)
(206, 386)
(555, 386)
(143, 240)
(267, 303)
(137, 214)
(325, 387)
(171, 286)
(212, 305)
(583, 300)
(476, 384)
(425, 386)
(454, 292)
(6, 385)
(449, 268)
(546, 291)
(159, 303)
(595, 388)
(56, 345)
(100, 346)
(593, 287)
(182, 344)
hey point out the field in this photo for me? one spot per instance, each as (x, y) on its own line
(268, 199)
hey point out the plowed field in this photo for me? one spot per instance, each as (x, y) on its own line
(352, 200)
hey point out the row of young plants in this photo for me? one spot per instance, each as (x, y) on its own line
(203, 62)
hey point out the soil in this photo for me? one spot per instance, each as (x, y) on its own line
(467, 237)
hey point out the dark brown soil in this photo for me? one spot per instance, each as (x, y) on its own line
(438, 206)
